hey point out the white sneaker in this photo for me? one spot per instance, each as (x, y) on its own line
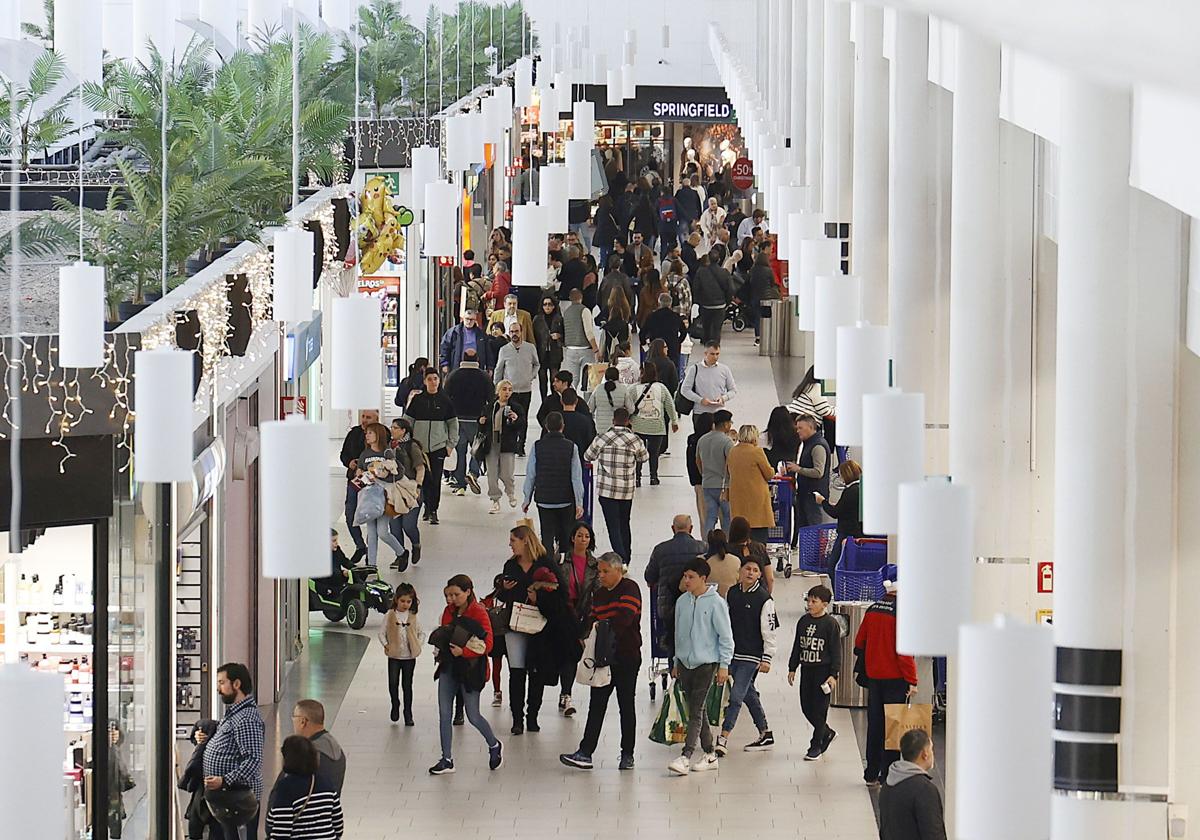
(707, 761)
(679, 766)
(512, 501)
(495, 507)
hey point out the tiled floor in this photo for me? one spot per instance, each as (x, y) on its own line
(389, 794)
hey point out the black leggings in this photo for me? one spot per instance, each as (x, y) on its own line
(400, 674)
(654, 445)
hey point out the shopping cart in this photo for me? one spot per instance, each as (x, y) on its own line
(659, 668)
(816, 544)
(589, 493)
(779, 538)
(861, 570)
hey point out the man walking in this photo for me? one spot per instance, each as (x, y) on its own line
(352, 447)
(712, 290)
(234, 755)
(579, 338)
(703, 650)
(469, 389)
(578, 426)
(665, 569)
(665, 323)
(616, 454)
(709, 384)
(308, 720)
(752, 617)
(688, 205)
(618, 601)
(711, 451)
(510, 315)
(554, 478)
(817, 652)
(460, 338)
(518, 363)
(910, 805)
(562, 381)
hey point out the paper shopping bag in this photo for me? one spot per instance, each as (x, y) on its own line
(671, 725)
(901, 717)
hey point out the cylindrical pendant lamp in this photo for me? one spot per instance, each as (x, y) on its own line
(818, 258)
(476, 128)
(862, 368)
(547, 113)
(357, 375)
(584, 116)
(81, 316)
(800, 226)
(579, 169)
(614, 92)
(562, 92)
(666, 36)
(836, 303)
(295, 526)
(31, 764)
(523, 82)
(769, 158)
(530, 235)
(504, 93)
(291, 283)
(553, 196)
(458, 142)
(629, 53)
(163, 424)
(893, 453)
(936, 562)
(1004, 748)
(425, 170)
(785, 176)
(789, 199)
(441, 220)
(599, 68)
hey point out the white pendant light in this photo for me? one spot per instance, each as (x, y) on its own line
(666, 36)
(523, 82)
(771, 157)
(584, 117)
(562, 92)
(628, 81)
(933, 552)
(599, 68)
(504, 93)
(614, 96)
(786, 176)
(162, 405)
(529, 252)
(356, 321)
(789, 199)
(476, 136)
(291, 283)
(579, 169)
(81, 316)
(553, 196)
(295, 526)
(998, 765)
(425, 166)
(31, 764)
(837, 301)
(458, 142)
(893, 453)
(496, 119)
(818, 257)
(862, 368)
(548, 113)
(441, 220)
(800, 226)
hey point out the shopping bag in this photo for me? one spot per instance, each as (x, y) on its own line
(371, 501)
(526, 618)
(901, 717)
(671, 725)
(717, 701)
(591, 671)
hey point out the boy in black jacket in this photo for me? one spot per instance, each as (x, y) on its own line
(817, 652)
(910, 805)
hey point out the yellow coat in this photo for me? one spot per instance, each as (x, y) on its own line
(749, 493)
(523, 319)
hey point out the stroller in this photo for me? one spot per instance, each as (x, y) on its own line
(735, 313)
(338, 597)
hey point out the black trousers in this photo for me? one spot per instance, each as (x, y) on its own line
(546, 374)
(879, 694)
(400, 674)
(616, 520)
(523, 400)
(655, 444)
(624, 683)
(712, 319)
(433, 480)
(814, 702)
(521, 680)
(556, 528)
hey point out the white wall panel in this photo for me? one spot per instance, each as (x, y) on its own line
(1030, 93)
(1164, 160)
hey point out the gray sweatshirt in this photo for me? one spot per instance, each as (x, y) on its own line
(703, 382)
(519, 365)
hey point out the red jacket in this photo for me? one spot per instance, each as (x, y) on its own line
(877, 638)
(476, 612)
(501, 286)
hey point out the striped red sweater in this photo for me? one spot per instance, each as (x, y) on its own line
(621, 606)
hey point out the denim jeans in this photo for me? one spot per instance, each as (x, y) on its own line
(713, 503)
(356, 533)
(448, 687)
(407, 523)
(379, 529)
(466, 434)
(743, 691)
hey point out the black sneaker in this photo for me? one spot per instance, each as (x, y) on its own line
(416, 554)
(473, 484)
(459, 720)
(577, 759)
(495, 755)
(444, 767)
(433, 520)
(401, 563)
(722, 747)
(531, 723)
(425, 516)
(654, 481)
(764, 741)
(408, 721)
(813, 754)
(829, 736)
(395, 712)
(518, 728)
(358, 555)
(626, 762)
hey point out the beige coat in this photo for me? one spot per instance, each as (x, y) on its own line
(391, 635)
(749, 493)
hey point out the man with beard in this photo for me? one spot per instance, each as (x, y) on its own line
(234, 755)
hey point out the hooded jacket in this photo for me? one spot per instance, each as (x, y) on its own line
(910, 805)
(702, 631)
(332, 758)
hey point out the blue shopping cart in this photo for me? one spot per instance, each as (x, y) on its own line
(861, 570)
(779, 538)
(659, 669)
(815, 543)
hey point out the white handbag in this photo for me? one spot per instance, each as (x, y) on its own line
(586, 671)
(526, 618)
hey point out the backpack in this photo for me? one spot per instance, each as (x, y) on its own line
(666, 209)
(651, 410)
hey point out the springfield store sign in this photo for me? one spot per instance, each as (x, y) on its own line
(665, 103)
(710, 111)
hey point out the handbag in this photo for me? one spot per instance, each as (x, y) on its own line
(591, 670)
(901, 717)
(231, 806)
(670, 727)
(526, 618)
(682, 404)
(695, 331)
(480, 446)
(498, 615)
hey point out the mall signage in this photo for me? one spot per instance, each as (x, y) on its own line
(664, 103)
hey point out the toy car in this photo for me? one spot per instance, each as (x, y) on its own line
(352, 598)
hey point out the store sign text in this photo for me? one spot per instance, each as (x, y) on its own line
(693, 110)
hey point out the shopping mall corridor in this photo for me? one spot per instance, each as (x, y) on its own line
(389, 794)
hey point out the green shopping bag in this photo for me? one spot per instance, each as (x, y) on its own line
(717, 701)
(671, 725)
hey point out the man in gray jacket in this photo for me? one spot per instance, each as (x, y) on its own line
(518, 363)
(910, 805)
(308, 720)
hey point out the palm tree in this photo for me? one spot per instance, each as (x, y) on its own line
(38, 33)
(40, 126)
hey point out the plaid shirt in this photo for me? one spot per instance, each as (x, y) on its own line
(235, 751)
(616, 454)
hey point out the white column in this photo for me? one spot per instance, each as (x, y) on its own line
(798, 95)
(772, 55)
(868, 231)
(912, 315)
(1091, 506)
(836, 165)
(783, 73)
(814, 77)
(116, 31)
(75, 26)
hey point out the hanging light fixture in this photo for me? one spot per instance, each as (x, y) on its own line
(789, 199)
(31, 766)
(562, 92)
(996, 766)
(615, 91)
(292, 289)
(836, 304)
(162, 405)
(579, 169)
(933, 550)
(476, 136)
(356, 321)
(893, 453)
(548, 113)
(295, 526)
(523, 82)
(599, 68)
(458, 142)
(495, 119)
(530, 235)
(818, 258)
(584, 117)
(628, 81)
(425, 167)
(552, 195)
(862, 368)
(800, 225)
(441, 220)
(81, 316)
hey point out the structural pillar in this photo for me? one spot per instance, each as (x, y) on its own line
(813, 92)
(869, 228)
(798, 95)
(836, 162)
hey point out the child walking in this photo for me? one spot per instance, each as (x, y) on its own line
(817, 652)
(402, 638)
(490, 604)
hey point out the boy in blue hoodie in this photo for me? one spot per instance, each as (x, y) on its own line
(703, 649)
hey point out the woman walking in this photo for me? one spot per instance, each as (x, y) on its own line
(578, 569)
(376, 465)
(303, 802)
(435, 426)
(402, 638)
(411, 465)
(606, 399)
(615, 331)
(502, 424)
(749, 491)
(463, 641)
(653, 408)
(763, 288)
(548, 338)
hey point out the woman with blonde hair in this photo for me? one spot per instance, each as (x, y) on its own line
(749, 490)
(616, 325)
